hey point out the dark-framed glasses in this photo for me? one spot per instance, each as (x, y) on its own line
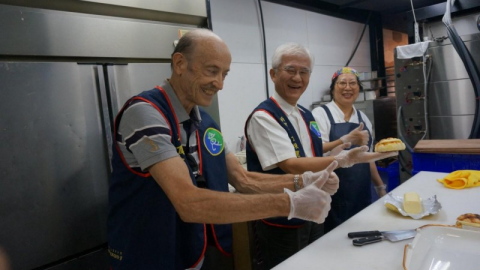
(304, 72)
(343, 84)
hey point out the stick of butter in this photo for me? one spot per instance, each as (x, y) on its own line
(411, 203)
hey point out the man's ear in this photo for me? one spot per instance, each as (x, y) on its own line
(179, 63)
(272, 74)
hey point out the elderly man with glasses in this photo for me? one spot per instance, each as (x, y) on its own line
(283, 137)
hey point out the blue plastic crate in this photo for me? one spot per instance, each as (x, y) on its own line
(444, 162)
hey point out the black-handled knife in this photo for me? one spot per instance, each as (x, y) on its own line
(364, 234)
(367, 240)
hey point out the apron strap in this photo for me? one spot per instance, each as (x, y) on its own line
(329, 114)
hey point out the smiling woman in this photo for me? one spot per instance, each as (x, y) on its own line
(340, 122)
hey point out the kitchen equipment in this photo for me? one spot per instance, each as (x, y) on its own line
(370, 237)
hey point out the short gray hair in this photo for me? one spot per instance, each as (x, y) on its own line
(188, 42)
(291, 49)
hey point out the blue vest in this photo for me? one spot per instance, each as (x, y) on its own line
(253, 163)
(144, 230)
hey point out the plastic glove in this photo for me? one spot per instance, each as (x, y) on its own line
(381, 190)
(357, 136)
(311, 203)
(360, 155)
(335, 151)
(332, 184)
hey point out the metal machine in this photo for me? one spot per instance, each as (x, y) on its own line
(447, 109)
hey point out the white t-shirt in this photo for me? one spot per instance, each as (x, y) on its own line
(338, 117)
(270, 141)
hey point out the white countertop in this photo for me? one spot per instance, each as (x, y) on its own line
(335, 250)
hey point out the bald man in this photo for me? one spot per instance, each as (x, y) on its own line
(168, 196)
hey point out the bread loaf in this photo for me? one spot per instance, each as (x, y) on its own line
(389, 144)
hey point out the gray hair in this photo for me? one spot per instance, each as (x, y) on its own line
(187, 43)
(291, 49)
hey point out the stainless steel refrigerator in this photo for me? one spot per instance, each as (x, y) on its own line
(63, 77)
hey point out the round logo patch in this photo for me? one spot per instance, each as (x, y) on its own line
(213, 141)
(314, 127)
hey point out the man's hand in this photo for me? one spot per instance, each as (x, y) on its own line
(357, 136)
(360, 155)
(332, 184)
(312, 203)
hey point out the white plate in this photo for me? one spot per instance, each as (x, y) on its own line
(443, 248)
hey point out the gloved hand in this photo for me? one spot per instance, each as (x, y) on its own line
(311, 203)
(335, 151)
(381, 190)
(357, 136)
(360, 155)
(332, 184)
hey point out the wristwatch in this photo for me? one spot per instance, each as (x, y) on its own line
(295, 182)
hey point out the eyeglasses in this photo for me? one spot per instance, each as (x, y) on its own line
(304, 72)
(344, 84)
(201, 182)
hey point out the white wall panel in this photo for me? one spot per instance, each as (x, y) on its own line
(332, 40)
(283, 24)
(243, 90)
(238, 24)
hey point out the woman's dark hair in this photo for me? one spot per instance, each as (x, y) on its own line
(334, 81)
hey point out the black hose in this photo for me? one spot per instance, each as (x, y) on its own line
(359, 40)
(470, 66)
(401, 129)
(264, 47)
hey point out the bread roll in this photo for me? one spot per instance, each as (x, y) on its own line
(389, 144)
(468, 219)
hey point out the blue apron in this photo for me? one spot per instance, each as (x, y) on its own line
(144, 230)
(253, 163)
(354, 193)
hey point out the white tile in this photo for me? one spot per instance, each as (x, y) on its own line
(243, 90)
(238, 24)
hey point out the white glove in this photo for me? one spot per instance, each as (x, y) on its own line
(360, 155)
(357, 136)
(381, 190)
(332, 184)
(337, 149)
(311, 203)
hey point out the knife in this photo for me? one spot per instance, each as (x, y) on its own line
(369, 237)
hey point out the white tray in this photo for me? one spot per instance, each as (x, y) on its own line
(443, 248)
